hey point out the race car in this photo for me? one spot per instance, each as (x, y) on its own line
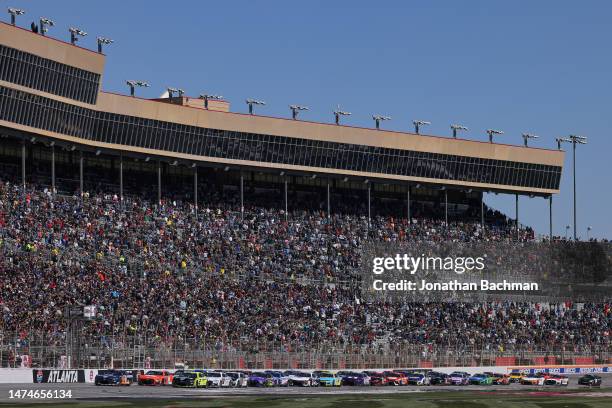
(113, 377)
(217, 379)
(436, 378)
(515, 376)
(260, 379)
(499, 379)
(328, 379)
(534, 379)
(417, 378)
(396, 378)
(376, 377)
(480, 379)
(279, 379)
(591, 380)
(556, 379)
(237, 379)
(459, 378)
(190, 379)
(301, 378)
(354, 378)
(156, 377)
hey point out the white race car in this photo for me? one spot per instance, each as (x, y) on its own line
(238, 379)
(301, 378)
(534, 379)
(218, 379)
(556, 379)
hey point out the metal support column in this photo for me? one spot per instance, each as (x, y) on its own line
(446, 207)
(286, 204)
(242, 196)
(195, 188)
(81, 173)
(369, 205)
(574, 160)
(23, 163)
(517, 217)
(53, 168)
(482, 223)
(408, 203)
(550, 222)
(159, 182)
(328, 201)
(121, 179)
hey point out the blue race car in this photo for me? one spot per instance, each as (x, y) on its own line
(260, 380)
(114, 377)
(328, 379)
(279, 378)
(353, 378)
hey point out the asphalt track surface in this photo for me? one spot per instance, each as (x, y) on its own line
(89, 391)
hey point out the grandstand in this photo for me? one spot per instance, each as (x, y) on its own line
(209, 238)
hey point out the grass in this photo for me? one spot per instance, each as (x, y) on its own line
(447, 399)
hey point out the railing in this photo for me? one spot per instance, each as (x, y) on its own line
(136, 352)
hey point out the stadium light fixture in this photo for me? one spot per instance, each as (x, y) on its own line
(574, 140)
(14, 12)
(252, 102)
(208, 97)
(295, 109)
(338, 113)
(44, 23)
(379, 118)
(456, 128)
(492, 132)
(133, 84)
(418, 123)
(101, 41)
(74, 33)
(172, 91)
(589, 228)
(560, 140)
(567, 228)
(527, 136)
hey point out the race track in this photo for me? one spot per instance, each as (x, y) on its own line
(92, 392)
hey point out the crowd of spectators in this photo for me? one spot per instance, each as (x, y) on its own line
(219, 276)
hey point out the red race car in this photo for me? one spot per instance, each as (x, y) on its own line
(156, 377)
(395, 378)
(377, 378)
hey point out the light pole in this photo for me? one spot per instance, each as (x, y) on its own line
(252, 102)
(589, 228)
(101, 41)
(527, 136)
(74, 33)
(172, 91)
(379, 118)
(418, 123)
(14, 12)
(338, 113)
(133, 84)
(492, 132)
(295, 109)
(567, 228)
(574, 140)
(43, 22)
(208, 97)
(456, 128)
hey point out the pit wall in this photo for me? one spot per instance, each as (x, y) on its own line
(29, 375)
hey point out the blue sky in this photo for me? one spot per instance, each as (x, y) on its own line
(523, 66)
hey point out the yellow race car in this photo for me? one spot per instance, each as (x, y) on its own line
(516, 376)
(190, 379)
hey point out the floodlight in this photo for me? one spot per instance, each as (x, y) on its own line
(43, 22)
(527, 136)
(14, 12)
(456, 128)
(338, 113)
(133, 84)
(102, 40)
(207, 97)
(74, 32)
(492, 132)
(252, 102)
(418, 123)
(379, 118)
(295, 110)
(172, 91)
